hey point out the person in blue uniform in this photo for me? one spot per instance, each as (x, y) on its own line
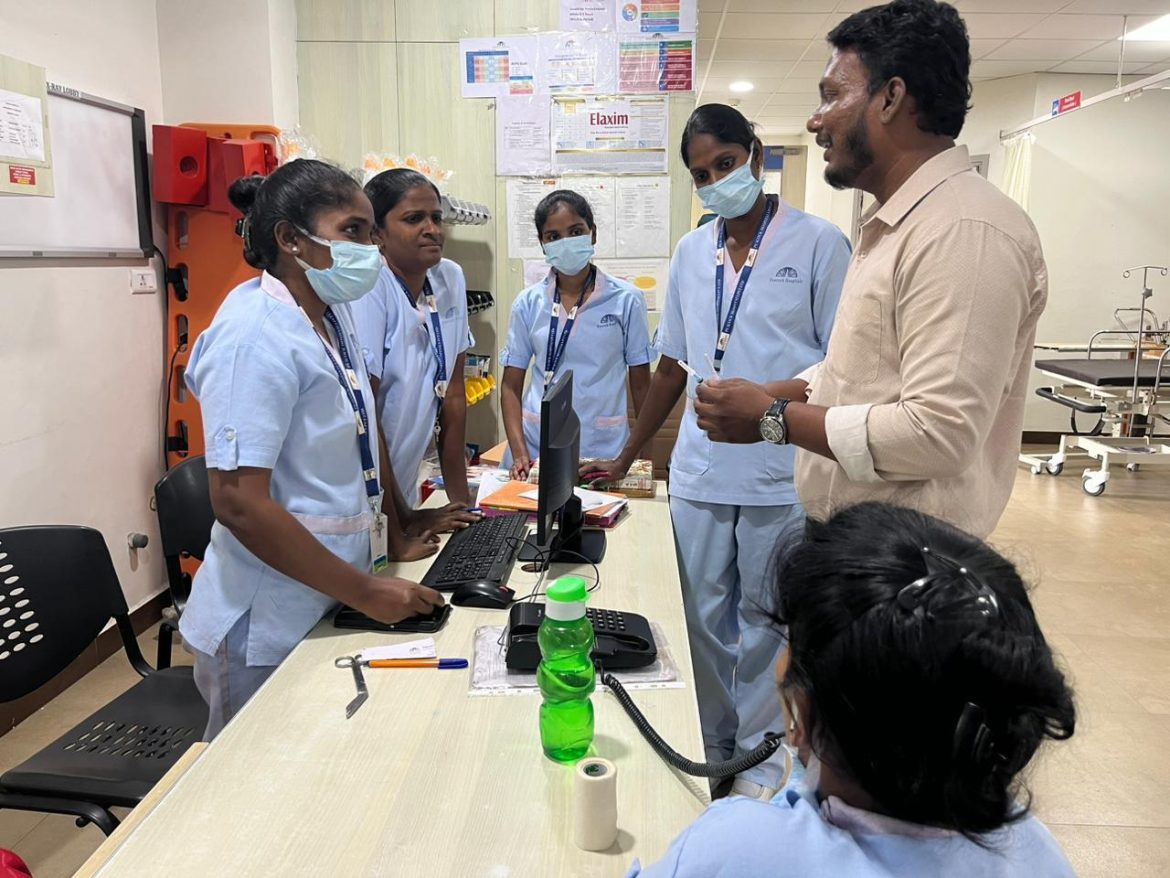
(414, 335)
(754, 293)
(291, 442)
(919, 688)
(577, 318)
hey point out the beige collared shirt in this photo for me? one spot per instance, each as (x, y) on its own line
(927, 367)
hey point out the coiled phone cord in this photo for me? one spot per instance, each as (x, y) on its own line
(770, 744)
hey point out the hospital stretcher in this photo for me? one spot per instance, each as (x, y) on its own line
(1131, 400)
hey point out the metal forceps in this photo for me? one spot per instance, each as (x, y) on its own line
(354, 664)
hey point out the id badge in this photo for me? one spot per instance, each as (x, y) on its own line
(378, 559)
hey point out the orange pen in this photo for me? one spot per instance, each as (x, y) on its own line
(441, 664)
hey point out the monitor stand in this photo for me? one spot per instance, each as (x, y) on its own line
(570, 543)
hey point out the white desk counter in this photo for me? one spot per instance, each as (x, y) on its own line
(424, 779)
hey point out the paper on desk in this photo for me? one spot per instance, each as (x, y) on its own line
(491, 482)
(490, 675)
(422, 648)
(590, 500)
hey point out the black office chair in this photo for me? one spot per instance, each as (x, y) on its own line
(183, 501)
(58, 589)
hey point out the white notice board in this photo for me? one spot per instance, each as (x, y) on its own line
(101, 202)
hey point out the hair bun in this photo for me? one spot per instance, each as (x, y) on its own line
(242, 193)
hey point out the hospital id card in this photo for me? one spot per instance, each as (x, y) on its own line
(378, 558)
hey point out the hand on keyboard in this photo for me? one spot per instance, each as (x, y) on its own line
(445, 519)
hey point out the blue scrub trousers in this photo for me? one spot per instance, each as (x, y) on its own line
(726, 556)
(225, 680)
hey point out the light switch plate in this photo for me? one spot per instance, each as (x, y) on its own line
(143, 280)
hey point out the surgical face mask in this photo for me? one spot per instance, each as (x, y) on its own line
(354, 271)
(569, 255)
(735, 194)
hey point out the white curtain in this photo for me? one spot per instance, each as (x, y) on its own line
(1017, 175)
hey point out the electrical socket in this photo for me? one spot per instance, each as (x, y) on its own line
(143, 280)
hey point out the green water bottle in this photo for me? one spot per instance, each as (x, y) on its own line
(566, 676)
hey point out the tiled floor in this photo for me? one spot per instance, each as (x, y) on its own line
(1099, 566)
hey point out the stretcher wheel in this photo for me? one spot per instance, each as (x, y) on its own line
(1133, 467)
(1094, 487)
(1036, 469)
(1054, 469)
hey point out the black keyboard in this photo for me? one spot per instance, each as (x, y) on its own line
(484, 551)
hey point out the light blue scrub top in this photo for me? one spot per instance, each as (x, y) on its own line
(790, 836)
(396, 343)
(609, 335)
(270, 398)
(782, 328)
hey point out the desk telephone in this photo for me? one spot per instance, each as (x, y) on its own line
(624, 640)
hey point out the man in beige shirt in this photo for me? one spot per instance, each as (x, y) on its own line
(920, 398)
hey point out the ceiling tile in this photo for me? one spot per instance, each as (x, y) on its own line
(1042, 50)
(799, 86)
(979, 48)
(1044, 6)
(989, 26)
(998, 69)
(760, 50)
(1160, 67)
(784, 102)
(740, 25)
(750, 69)
(1095, 67)
(708, 25)
(1139, 51)
(1076, 27)
(1121, 7)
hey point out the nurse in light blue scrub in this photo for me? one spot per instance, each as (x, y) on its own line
(752, 294)
(292, 444)
(577, 318)
(414, 335)
(919, 688)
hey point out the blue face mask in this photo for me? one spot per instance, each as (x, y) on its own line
(569, 255)
(354, 271)
(735, 194)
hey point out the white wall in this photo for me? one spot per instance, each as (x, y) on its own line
(1100, 186)
(228, 61)
(81, 358)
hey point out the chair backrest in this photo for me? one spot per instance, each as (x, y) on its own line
(58, 589)
(185, 517)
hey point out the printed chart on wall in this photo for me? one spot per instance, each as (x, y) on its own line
(26, 166)
(657, 16)
(523, 136)
(656, 64)
(617, 134)
(647, 275)
(582, 63)
(596, 15)
(496, 67)
(632, 214)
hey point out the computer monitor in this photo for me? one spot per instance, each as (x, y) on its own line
(560, 522)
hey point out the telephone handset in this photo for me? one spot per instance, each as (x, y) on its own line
(624, 640)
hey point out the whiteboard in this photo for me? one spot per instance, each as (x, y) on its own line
(101, 206)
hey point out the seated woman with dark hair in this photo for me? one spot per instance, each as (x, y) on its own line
(919, 686)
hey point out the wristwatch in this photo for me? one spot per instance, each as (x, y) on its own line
(772, 426)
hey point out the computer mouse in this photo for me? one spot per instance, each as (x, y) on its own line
(481, 593)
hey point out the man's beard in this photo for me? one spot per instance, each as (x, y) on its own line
(859, 155)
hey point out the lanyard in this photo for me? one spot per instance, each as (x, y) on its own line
(555, 351)
(744, 275)
(437, 343)
(353, 391)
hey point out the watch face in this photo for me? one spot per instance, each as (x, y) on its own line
(772, 430)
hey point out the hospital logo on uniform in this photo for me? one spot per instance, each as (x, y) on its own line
(788, 275)
(609, 320)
